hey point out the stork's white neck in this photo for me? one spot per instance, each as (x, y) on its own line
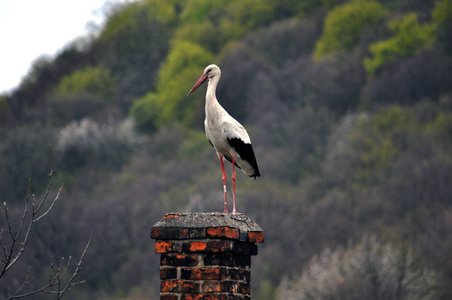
(211, 89)
(213, 108)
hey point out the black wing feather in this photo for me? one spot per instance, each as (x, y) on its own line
(246, 153)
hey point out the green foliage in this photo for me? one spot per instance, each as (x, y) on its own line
(442, 13)
(145, 113)
(344, 24)
(376, 153)
(183, 55)
(442, 125)
(132, 46)
(198, 11)
(119, 19)
(202, 33)
(124, 16)
(300, 8)
(215, 23)
(394, 117)
(184, 65)
(172, 97)
(379, 140)
(94, 81)
(409, 36)
(169, 104)
(442, 17)
(165, 11)
(3, 105)
(242, 16)
(39, 65)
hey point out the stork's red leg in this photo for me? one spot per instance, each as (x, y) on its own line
(223, 177)
(234, 211)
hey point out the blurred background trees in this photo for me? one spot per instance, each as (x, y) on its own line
(351, 124)
(369, 270)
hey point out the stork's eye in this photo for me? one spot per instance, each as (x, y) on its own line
(208, 71)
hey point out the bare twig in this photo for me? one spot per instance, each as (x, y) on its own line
(50, 207)
(15, 250)
(44, 198)
(56, 280)
(14, 247)
(78, 268)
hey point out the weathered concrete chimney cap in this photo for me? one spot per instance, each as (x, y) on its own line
(189, 224)
(209, 219)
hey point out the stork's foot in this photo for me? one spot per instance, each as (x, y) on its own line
(236, 213)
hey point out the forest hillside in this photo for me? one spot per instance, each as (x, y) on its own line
(349, 108)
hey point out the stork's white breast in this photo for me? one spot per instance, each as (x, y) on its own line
(218, 131)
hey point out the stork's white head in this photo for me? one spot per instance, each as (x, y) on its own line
(211, 71)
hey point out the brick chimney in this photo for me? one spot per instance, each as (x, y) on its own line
(206, 255)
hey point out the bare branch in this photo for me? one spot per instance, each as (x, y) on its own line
(51, 205)
(44, 198)
(13, 254)
(14, 247)
(9, 257)
(13, 258)
(26, 281)
(78, 267)
(55, 281)
(3, 247)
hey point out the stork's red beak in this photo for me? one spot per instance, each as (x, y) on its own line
(200, 81)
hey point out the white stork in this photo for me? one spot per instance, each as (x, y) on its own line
(225, 134)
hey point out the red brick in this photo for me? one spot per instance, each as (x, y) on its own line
(212, 287)
(253, 249)
(179, 286)
(169, 233)
(220, 246)
(241, 288)
(207, 246)
(204, 273)
(188, 260)
(163, 246)
(169, 297)
(242, 248)
(197, 246)
(197, 233)
(223, 232)
(183, 233)
(167, 286)
(255, 237)
(215, 296)
(171, 216)
(154, 233)
(227, 259)
(239, 274)
(168, 273)
(216, 286)
(206, 297)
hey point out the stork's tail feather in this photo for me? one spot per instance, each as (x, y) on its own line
(245, 151)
